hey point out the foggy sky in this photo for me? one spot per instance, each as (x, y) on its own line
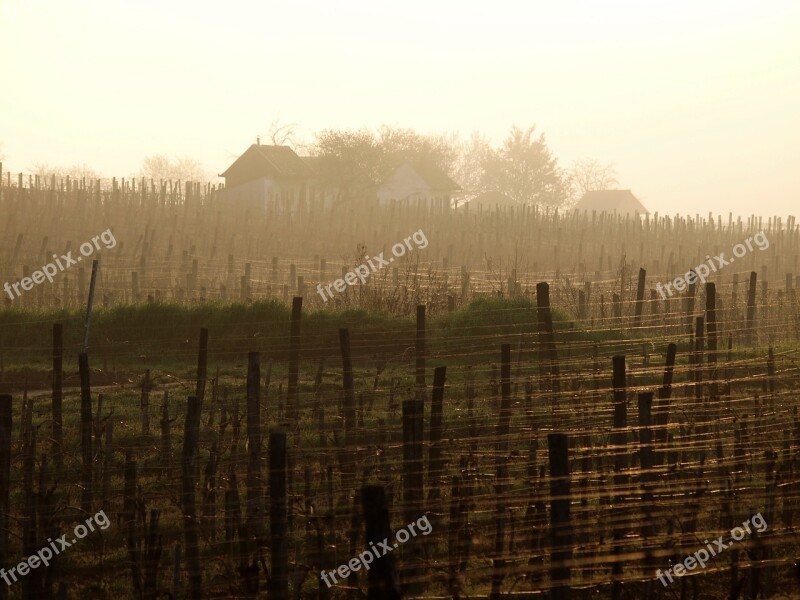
(695, 103)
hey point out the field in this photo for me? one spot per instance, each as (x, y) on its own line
(519, 381)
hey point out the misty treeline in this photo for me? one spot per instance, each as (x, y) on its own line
(522, 167)
(157, 167)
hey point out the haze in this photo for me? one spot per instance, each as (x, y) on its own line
(695, 104)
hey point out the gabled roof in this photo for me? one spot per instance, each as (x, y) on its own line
(621, 201)
(437, 179)
(277, 161)
(431, 175)
(492, 198)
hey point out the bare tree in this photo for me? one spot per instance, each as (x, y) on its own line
(282, 134)
(588, 175)
(78, 172)
(159, 166)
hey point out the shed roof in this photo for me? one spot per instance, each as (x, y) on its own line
(620, 201)
(277, 161)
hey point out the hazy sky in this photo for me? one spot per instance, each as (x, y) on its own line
(697, 103)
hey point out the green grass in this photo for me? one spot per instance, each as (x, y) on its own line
(162, 335)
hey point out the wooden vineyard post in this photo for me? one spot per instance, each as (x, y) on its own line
(751, 310)
(420, 349)
(498, 564)
(711, 331)
(689, 301)
(699, 407)
(86, 433)
(255, 495)
(90, 304)
(348, 404)
(619, 438)
(58, 378)
(166, 435)
(279, 555)
(107, 455)
(5, 481)
(209, 496)
(202, 367)
(662, 406)
(382, 576)
(637, 316)
(129, 521)
(144, 404)
(413, 492)
(191, 438)
(454, 527)
(547, 340)
(294, 360)
(648, 530)
(560, 532)
(435, 464)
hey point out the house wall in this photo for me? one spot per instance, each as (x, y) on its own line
(248, 168)
(404, 184)
(267, 193)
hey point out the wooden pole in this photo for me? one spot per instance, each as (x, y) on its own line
(382, 576)
(58, 377)
(294, 360)
(86, 433)
(191, 437)
(202, 366)
(5, 481)
(619, 438)
(420, 347)
(90, 304)
(255, 495)
(435, 463)
(279, 572)
(560, 533)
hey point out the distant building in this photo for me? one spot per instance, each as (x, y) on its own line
(276, 178)
(419, 182)
(621, 202)
(337, 182)
(269, 176)
(490, 201)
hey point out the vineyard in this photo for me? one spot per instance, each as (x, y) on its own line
(567, 429)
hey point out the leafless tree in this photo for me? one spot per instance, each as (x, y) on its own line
(282, 134)
(159, 166)
(588, 175)
(45, 171)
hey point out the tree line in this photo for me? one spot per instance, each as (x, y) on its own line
(523, 168)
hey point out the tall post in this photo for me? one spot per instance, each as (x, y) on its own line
(191, 436)
(5, 481)
(90, 304)
(202, 365)
(420, 347)
(560, 534)
(294, 359)
(279, 556)
(86, 433)
(58, 378)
